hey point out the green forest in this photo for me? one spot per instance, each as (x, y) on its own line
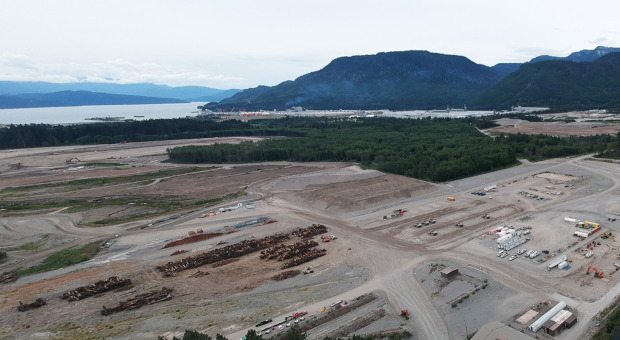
(35, 135)
(435, 150)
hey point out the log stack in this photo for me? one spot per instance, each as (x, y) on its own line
(284, 252)
(98, 287)
(315, 229)
(231, 251)
(306, 257)
(138, 301)
(36, 304)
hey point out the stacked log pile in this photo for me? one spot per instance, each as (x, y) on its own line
(306, 257)
(138, 301)
(36, 304)
(7, 277)
(315, 229)
(286, 275)
(284, 252)
(231, 251)
(98, 287)
(192, 239)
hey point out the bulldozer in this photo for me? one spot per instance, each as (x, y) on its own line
(596, 273)
(405, 314)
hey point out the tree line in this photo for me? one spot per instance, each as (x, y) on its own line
(430, 149)
(36, 135)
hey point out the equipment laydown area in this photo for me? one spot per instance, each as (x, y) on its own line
(108, 241)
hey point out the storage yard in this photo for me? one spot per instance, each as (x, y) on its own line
(334, 248)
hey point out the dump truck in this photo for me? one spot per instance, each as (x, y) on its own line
(451, 199)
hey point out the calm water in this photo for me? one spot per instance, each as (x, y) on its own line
(76, 114)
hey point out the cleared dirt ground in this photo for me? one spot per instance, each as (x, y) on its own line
(390, 258)
(558, 129)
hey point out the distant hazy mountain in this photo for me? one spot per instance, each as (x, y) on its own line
(396, 80)
(584, 55)
(506, 68)
(77, 98)
(148, 90)
(215, 97)
(559, 84)
(581, 56)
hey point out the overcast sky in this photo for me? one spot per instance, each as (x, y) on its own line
(245, 43)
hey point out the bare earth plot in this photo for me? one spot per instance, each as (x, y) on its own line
(558, 129)
(379, 265)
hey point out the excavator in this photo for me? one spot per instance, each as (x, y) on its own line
(404, 314)
(596, 272)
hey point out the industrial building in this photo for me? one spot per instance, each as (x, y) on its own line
(497, 330)
(563, 319)
(538, 324)
(449, 272)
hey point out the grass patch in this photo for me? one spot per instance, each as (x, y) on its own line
(30, 246)
(82, 184)
(64, 258)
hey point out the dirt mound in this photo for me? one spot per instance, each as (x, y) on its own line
(361, 194)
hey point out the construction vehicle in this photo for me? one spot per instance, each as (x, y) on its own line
(596, 273)
(432, 233)
(405, 314)
(191, 233)
(199, 231)
(451, 199)
(459, 224)
(486, 216)
(325, 238)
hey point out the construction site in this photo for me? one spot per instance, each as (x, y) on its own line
(334, 248)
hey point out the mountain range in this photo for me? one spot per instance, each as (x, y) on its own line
(77, 98)
(184, 93)
(398, 80)
(559, 84)
(580, 56)
(425, 80)
(392, 80)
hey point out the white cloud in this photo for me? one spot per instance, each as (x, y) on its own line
(599, 41)
(18, 67)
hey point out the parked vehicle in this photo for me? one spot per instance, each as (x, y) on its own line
(513, 257)
(264, 322)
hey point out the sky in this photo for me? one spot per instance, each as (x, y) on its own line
(245, 43)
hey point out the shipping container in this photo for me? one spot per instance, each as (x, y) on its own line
(563, 265)
(581, 234)
(504, 238)
(557, 262)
